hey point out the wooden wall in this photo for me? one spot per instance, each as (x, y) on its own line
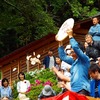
(40, 47)
(17, 59)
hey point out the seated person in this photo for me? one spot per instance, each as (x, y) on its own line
(5, 90)
(47, 91)
(95, 29)
(23, 86)
(94, 72)
(93, 48)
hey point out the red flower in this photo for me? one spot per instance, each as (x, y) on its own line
(47, 83)
(37, 82)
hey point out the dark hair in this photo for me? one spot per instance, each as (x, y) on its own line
(50, 50)
(4, 80)
(94, 67)
(21, 74)
(96, 17)
(88, 35)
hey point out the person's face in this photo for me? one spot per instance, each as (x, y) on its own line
(50, 53)
(5, 84)
(94, 75)
(21, 77)
(58, 61)
(73, 54)
(95, 21)
(88, 39)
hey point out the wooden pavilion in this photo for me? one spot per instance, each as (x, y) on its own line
(17, 59)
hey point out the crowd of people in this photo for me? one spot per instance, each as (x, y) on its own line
(23, 87)
(77, 68)
(80, 64)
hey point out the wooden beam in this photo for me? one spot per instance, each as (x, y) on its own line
(81, 31)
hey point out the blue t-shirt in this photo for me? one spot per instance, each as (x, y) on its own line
(79, 69)
(95, 32)
(5, 92)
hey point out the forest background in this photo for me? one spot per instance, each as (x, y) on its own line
(24, 21)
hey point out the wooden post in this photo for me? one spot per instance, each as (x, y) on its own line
(10, 76)
(27, 63)
(18, 65)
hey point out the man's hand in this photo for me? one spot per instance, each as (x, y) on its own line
(70, 33)
(60, 43)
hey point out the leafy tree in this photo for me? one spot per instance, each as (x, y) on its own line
(23, 21)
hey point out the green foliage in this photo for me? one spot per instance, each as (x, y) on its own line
(23, 21)
(83, 9)
(38, 79)
(26, 20)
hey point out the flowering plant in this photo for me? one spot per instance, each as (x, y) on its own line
(38, 79)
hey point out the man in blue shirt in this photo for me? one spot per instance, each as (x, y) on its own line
(94, 72)
(80, 64)
(95, 29)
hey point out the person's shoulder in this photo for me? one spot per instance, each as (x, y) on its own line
(98, 24)
(46, 57)
(96, 42)
(18, 82)
(0, 87)
(9, 87)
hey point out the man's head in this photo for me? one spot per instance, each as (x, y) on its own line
(72, 52)
(94, 71)
(88, 39)
(50, 52)
(95, 20)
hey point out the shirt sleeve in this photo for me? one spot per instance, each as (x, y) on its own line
(78, 51)
(18, 87)
(91, 31)
(10, 93)
(64, 57)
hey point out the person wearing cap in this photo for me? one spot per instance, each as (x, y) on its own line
(95, 29)
(79, 65)
(94, 72)
(47, 92)
(65, 66)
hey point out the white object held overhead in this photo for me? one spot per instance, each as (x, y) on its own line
(62, 33)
